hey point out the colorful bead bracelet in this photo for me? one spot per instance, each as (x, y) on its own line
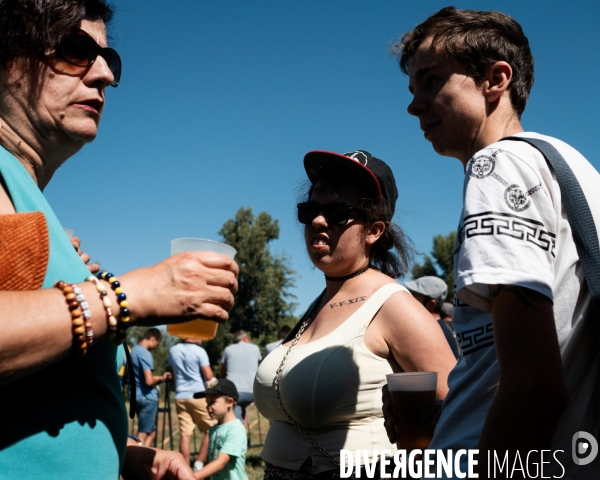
(117, 329)
(124, 315)
(77, 318)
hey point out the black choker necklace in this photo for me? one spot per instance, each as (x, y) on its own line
(348, 277)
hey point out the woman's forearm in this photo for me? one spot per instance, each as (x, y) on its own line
(36, 328)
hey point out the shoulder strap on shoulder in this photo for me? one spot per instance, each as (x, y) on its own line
(309, 312)
(578, 213)
(375, 303)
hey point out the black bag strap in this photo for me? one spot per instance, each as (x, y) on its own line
(131, 377)
(578, 212)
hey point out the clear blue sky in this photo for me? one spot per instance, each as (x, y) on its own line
(219, 102)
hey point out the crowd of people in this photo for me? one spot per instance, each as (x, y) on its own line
(516, 353)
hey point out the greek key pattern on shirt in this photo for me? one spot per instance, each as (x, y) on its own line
(476, 339)
(457, 301)
(496, 224)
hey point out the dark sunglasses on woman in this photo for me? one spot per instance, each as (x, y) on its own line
(336, 213)
(80, 50)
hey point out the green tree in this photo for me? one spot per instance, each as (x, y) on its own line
(442, 264)
(263, 302)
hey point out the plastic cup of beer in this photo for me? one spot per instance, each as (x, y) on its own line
(414, 397)
(70, 233)
(199, 329)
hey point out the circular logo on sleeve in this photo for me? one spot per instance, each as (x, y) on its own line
(482, 166)
(516, 198)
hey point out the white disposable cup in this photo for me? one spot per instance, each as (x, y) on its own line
(200, 329)
(179, 245)
(70, 233)
(412, 381)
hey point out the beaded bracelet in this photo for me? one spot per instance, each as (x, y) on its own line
(107, 304)
(77, 319)
(87, 314)
(124, 317)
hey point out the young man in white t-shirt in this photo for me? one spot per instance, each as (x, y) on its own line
(523, 312)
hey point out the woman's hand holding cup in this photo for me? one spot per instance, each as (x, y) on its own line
(182, 287)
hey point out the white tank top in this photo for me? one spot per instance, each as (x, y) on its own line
(332, 388)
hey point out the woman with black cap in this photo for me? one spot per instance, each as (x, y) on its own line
(321, 388)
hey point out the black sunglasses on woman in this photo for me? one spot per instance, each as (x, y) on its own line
(78, 49)
(336, 213)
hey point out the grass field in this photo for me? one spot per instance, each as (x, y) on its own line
(167, 435)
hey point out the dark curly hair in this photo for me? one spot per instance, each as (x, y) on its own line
(392, 253)
(31, 28)
(477, 40)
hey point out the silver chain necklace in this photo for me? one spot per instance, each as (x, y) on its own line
(285, 412)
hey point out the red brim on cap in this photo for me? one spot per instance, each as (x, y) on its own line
(317, 162)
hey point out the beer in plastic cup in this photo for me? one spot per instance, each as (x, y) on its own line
(70, 233)
(200, 329)
(414, 397)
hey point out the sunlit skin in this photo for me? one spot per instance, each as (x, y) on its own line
(342, 250)
(220, 407)
(337, 250)
(57, 119)
(458, 114)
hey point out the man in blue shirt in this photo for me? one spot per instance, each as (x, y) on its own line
(191, 369)
(145, 385)
(239, 365)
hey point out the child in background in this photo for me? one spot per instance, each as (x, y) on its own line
(227, 440)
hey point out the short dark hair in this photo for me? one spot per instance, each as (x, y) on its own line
(31, 28)
(438, 305)
(476, 39)
(152, 333)
(283, 331)
(446, 311)
(383, 257)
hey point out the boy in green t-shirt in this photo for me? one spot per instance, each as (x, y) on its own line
(227, 440)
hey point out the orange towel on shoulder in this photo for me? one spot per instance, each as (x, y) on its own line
(24, 251)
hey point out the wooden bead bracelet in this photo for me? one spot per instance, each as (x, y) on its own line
(124, 316)
(77, 317)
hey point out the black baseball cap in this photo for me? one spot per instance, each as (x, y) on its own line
(223, 387)
(375, 173)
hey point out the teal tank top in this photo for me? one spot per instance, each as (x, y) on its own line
(68, 420)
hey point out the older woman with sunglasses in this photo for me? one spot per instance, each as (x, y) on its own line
(62, 413)
(321, 388)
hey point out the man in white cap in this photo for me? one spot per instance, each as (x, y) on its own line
(431, 292)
